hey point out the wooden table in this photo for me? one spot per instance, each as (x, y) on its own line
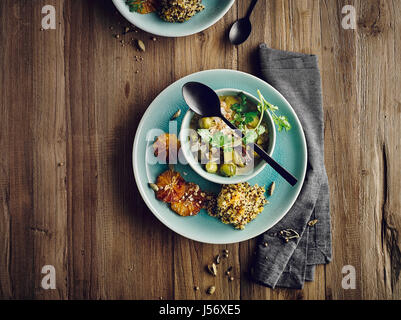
(71, 101)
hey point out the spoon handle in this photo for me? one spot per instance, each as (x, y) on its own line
(263, 154)
(275, 165)
(251, 7)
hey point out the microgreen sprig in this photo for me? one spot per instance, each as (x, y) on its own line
(281, 121)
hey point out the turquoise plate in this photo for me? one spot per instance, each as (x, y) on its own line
(290, 151)
(213, 12)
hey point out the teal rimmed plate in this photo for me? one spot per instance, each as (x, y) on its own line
(290, 151)
(213, 12)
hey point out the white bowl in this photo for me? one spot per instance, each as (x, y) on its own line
(199, 168)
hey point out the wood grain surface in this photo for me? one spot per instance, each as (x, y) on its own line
(71, 100)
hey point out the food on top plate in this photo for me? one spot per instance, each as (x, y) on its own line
(238, 204)
(168, 10)
(143, 6)
(166, 147)
(179, 10)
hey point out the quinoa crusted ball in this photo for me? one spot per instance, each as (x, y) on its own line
(239, 204)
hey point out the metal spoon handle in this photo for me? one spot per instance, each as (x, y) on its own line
(251, 7)
(274, 164)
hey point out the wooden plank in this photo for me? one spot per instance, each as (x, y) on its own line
(342, 160)
(285, 25)
(33, 191)
(17, 70)
(49, 193)
(379, 98)
(81, 162)
(6, 291)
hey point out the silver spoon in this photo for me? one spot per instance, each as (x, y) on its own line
(206, 103)
(242, 28)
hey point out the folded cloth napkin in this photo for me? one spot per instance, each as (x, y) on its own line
(287, 254)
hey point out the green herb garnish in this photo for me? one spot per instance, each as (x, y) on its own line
(217, 140)
(281, 121)
(250, 136)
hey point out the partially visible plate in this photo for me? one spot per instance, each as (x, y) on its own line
(213, 12)
(290, 151)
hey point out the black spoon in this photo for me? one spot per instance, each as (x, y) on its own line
(206, 103)
(242, 28)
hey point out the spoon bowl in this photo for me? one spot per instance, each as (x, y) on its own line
(201, 99)
(240, 31)
(242, 28)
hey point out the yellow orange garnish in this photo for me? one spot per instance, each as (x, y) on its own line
(191, 203)
(166, 147)
(171, 186)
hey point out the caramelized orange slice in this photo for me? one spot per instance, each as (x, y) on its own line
(166, 147)
(171, 186)
(191, 203)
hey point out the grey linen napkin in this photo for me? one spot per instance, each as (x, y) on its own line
(288, 264)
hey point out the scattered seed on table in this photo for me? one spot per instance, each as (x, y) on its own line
(196, 288)
(225, 251)
(265, 244)
(231, 278)
(154, 39)
(211, 290)
(117, 36)
(141, 45)
(212, 269)
(218, 259)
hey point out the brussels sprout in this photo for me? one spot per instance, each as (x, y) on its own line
(255, 121)
(228, 169)
(205, 123)
(230, 100)
(211, 167)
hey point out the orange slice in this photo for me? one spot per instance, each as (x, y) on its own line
(166, 147)
(191, 203)
(171, 186)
